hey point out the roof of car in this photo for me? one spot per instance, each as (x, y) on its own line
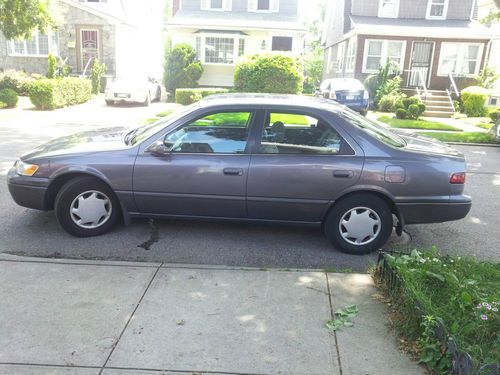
(268, 100)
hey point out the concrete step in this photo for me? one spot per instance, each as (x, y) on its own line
(443, 114)
(437, 102)
(445, 108)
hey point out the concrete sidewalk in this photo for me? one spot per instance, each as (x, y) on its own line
(111, 318)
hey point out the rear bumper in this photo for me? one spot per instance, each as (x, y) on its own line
(455, 208)
(358, 107)
(28, 192)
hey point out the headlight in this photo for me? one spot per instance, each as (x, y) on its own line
(25, 169)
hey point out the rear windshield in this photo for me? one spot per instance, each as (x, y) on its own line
(346, 84)
(372, 128)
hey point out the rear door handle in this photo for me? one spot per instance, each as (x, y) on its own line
(343, 174)
(233, 171)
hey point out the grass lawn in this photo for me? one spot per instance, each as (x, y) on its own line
(165, 113)
(466, 137)
(485, 125)
(416, 124)
(460, 292)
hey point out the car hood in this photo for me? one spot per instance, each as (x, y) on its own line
(420, 143)
(106, 139)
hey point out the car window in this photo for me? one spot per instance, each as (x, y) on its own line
(291, 133)
(221, 132)
(372, 128)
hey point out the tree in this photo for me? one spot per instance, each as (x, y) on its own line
(19, 18)
(487, 77)
(271, 73)
(182, 68)
(314, 54)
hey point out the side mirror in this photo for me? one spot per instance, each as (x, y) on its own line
(159, 148)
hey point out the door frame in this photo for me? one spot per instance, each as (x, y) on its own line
(431, 60)
(79, 52)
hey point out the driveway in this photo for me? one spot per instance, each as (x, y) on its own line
(33, 233)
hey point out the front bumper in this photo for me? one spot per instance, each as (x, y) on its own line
(30, 192)
(456, 208)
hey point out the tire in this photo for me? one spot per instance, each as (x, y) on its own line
(365, 239)
(110, 102)
(78, 190)
(158, 94)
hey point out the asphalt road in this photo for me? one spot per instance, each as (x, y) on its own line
(33, 233)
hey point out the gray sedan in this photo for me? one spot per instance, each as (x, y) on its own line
(254, 158)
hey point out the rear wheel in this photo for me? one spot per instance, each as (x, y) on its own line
(110, 102)
(359, 224)
(86, 206)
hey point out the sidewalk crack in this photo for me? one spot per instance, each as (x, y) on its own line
(332, 314)
(130, 318)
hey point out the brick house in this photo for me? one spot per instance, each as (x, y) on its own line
(114, 31)
(434, 42)
(222, 31)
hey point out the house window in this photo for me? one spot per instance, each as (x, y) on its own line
(282, 43)
(219, 50)
(340, 57)
(436, 9)
(263, 4)
(351, 56)
(460, 58)
(215, 4)
(378, 52)
(388, 8)
(38, 45)
(241, 47)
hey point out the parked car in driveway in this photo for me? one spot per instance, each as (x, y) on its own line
(132, 90)
(253, 158)
(347, 91)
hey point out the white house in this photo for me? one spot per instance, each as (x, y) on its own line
(223, 31)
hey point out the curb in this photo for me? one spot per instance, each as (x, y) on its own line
(82, 262)
(474, 144)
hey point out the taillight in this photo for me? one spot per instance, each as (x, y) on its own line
(457, 178)
(332, 95)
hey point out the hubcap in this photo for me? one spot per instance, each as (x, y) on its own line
(360, 226)
(90, 209)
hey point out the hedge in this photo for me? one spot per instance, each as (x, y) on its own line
(8, 97)
(474, 101)
(16, 80)
(56, 93)
(272, 73)
(189, 96)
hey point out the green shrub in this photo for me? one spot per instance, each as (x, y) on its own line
(182, 68)
(414, 111)
(51, 66)
(271, 73)
(391, 102)
(379, 82)
(98, 71)
(401, 113)
(56, 93)
(474, 101)
(16, 80)
(8, 97)
(391, 86)
(413, 106)
(189, 96)
(494, 114)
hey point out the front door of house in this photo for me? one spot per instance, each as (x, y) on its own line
(89, 47)
(420, 68)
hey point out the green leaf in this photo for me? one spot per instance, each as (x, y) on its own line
(435, 275)
(334, 324)
(466, 298)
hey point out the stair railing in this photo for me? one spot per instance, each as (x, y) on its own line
(453, 85)
(87, 66)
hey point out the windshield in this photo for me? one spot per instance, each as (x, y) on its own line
(143, 132)
(346, 84)
(372, 128)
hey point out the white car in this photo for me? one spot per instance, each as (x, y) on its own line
(133, 90)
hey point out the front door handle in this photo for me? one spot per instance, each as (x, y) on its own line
(343, 174)
(233, 171)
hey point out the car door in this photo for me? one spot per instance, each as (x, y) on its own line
(204, 172)
(298, 165)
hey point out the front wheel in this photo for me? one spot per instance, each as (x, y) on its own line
(86, 206)
(359, 224)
